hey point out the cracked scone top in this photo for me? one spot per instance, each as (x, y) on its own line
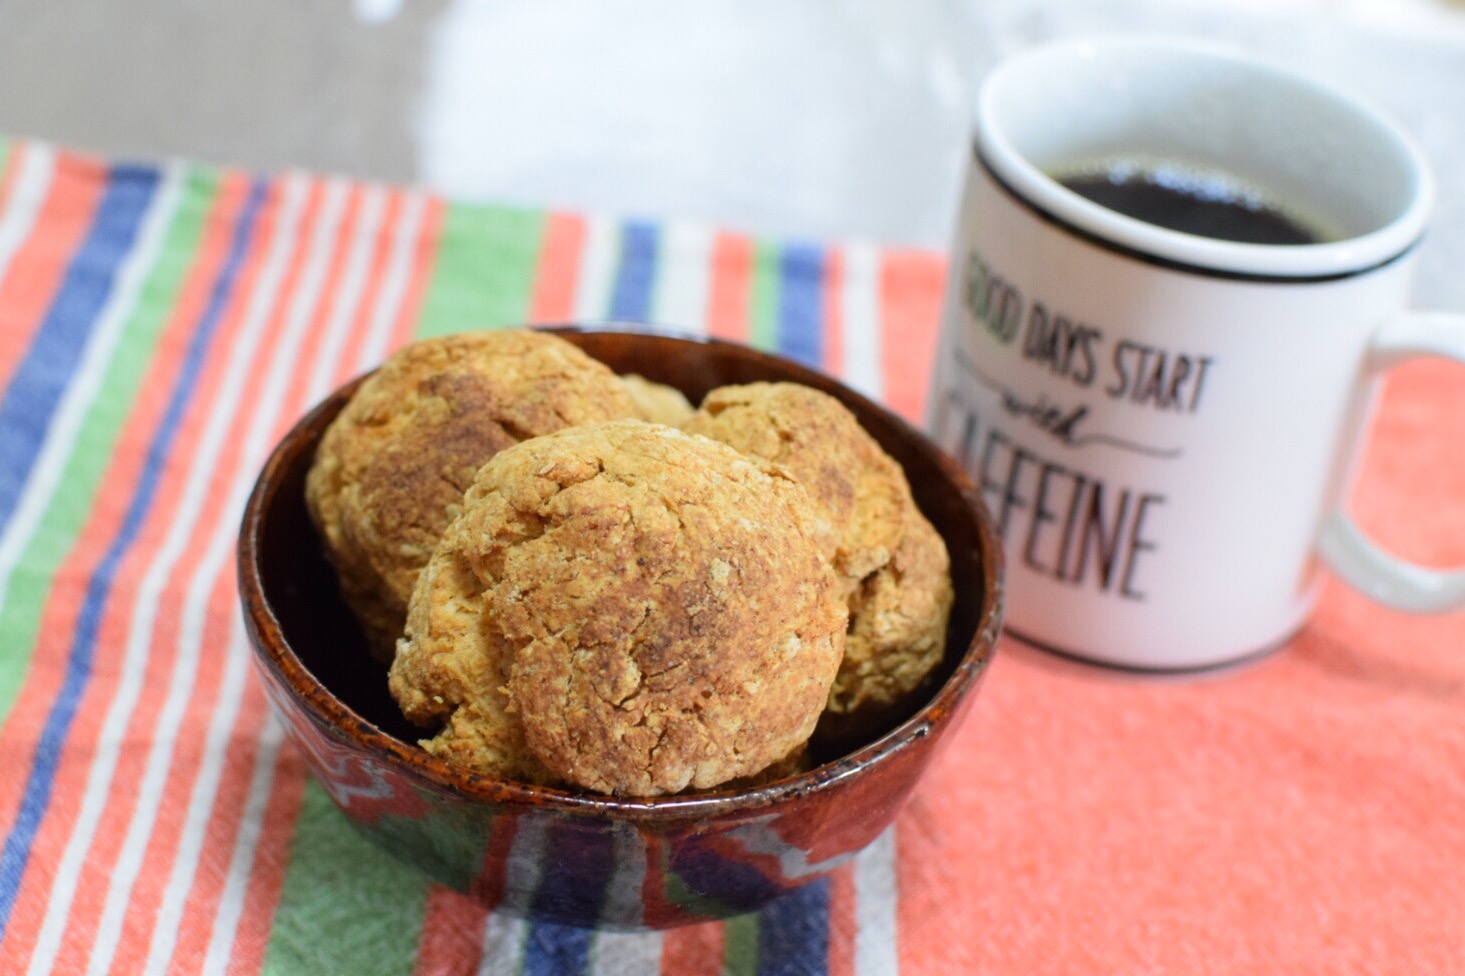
(623, 608)
(893, 567)
(392, 468)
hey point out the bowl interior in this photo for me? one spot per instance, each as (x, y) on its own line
(300, 587)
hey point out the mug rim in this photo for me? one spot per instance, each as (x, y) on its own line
(1018, 176)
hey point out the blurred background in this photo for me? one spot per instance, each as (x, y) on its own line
(790, 118)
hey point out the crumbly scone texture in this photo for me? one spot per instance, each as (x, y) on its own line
(892, 565)
(623, 608)
(657, 402)
(391, 469)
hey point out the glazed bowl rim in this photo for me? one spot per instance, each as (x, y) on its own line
(327, 710)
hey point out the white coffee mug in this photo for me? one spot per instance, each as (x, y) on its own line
(1164, 424)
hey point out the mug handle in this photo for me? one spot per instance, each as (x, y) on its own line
(1355, 557)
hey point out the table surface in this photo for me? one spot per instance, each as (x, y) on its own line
(854, 123)
(160, 325)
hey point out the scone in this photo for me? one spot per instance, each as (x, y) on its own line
(657, 402)
(893, 567)
(392, 468)
(623, 608)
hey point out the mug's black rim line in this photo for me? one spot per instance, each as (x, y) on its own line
(1098, 240)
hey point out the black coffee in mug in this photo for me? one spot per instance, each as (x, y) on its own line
(1188, 199)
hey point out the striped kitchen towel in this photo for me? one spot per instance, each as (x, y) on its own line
(162, 326)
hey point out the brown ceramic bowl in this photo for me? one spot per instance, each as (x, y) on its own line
(584, 859)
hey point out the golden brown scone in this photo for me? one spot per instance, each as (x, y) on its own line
(657, 402)
(893, 566)
(392, 468)
(796, 762)
(623, 608)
